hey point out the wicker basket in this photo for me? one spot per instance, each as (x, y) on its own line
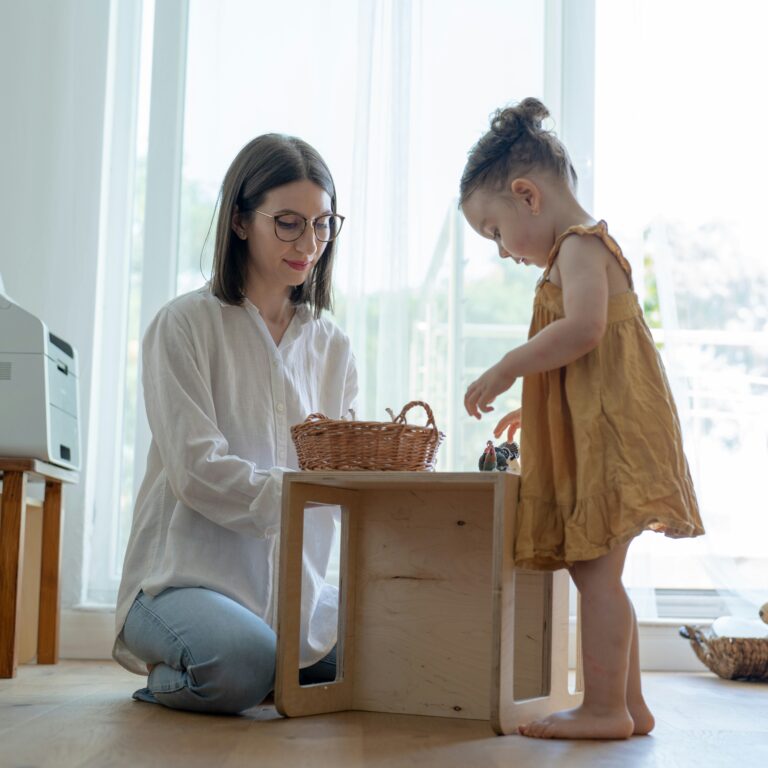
(734, 658)
(334, 444)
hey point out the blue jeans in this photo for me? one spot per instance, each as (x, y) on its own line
(209, 653)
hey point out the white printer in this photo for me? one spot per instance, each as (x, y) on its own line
(39, 397)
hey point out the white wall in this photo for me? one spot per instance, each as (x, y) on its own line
(53, 61)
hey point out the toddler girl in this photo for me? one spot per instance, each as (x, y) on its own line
(601, 450)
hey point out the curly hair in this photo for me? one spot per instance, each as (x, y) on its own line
(515, 144)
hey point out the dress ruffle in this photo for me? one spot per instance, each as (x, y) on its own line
(550, 536)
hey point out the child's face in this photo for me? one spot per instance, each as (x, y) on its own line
(273, 261)
(511, 223)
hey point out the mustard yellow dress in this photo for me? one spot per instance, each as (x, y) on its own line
(601, 450)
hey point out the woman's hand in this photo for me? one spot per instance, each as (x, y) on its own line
(510, 422)
(481, 393)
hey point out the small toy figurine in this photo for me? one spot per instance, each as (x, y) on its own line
(488, 459)
(507, 455)
(502, 457)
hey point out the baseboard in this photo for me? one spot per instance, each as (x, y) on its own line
(663, 650)
(661, 647)
(89, 634)
(86, 634)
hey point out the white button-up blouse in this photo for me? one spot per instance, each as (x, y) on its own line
(221, 398)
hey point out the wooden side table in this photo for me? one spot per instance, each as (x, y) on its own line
(434, 619)
(15, 473)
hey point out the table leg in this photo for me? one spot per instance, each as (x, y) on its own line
(48, 627)
(511, 591)
(292, 699)
(12, 521)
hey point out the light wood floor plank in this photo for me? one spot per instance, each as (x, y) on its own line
(81, 714)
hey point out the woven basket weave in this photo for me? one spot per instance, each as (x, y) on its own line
(734, 658)
(334, 444)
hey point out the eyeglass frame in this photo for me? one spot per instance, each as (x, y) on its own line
(306, 221)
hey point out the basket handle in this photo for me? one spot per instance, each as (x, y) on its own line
(430, 416)
(316, 417)
(693, 634)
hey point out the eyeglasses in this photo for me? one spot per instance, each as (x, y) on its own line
(291, 226)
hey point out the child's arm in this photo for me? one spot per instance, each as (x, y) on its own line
(583, 263)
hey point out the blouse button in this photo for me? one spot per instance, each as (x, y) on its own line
(280, 407)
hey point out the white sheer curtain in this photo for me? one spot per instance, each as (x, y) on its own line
(429, 75)
(374, 258)
(412, 86)
(110, 445)
(395, 96)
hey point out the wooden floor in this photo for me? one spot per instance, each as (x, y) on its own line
(81, 714)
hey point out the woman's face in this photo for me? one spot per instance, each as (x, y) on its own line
(272, 261)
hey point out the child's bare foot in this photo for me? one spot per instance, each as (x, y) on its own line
(580, 723)
(642, 718)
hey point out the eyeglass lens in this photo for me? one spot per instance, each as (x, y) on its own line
(290, 226)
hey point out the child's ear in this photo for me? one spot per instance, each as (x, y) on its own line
(526, 191)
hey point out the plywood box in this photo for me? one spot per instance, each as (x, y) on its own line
(434, 618)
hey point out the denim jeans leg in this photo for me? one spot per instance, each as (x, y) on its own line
(210, 654)
(323, 671)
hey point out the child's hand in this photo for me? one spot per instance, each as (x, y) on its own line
(481, 393)
(510, 422)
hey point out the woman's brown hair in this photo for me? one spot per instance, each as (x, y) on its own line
(268, 161)
(515, 144)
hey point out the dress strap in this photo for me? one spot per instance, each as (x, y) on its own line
(599, 230)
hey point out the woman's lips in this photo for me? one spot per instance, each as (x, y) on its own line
(299, 266)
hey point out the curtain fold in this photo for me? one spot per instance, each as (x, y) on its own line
(377, 275)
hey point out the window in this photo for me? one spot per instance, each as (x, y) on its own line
(396, 95)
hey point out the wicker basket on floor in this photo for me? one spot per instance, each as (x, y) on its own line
(733, 658)
(335, 444)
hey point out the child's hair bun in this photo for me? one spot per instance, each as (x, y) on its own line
(515, 144)
(511, 122)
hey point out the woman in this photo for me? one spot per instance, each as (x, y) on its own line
(227, 370)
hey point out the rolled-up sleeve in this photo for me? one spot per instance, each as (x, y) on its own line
(202, 472)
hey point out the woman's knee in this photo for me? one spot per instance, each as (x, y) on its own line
(213, 654)
(237, 674)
